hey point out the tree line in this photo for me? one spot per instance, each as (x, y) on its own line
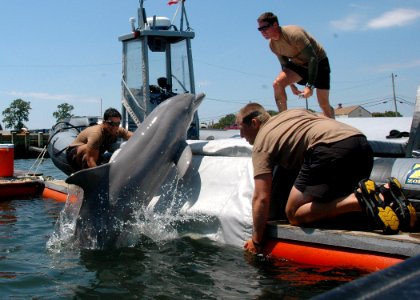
(229, 120)
(18, 112)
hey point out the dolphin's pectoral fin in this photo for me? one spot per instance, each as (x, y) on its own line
(90, 178)
(184, 160)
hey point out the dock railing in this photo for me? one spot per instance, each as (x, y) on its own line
(27, 144)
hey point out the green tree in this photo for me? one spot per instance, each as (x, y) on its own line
(230, 119)
(16, 114)
(386, 114)
(63, 111)
(226, 121)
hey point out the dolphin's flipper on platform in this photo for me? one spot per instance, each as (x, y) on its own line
(184, 160)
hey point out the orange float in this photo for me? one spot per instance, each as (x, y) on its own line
(323, 255)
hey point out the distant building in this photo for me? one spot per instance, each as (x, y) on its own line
(355, 111)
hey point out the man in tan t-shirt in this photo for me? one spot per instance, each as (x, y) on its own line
(318, 162)
(303, 61)
(87, 149)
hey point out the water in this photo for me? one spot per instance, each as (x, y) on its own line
(176, 268)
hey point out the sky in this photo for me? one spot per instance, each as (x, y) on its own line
(67, 51)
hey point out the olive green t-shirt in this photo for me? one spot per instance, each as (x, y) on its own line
(284, 138)
(293, 39)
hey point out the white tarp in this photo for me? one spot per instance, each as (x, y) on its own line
(214, 197)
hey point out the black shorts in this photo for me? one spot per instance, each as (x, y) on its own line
(71, 155)
(330, 171)
(322, 80)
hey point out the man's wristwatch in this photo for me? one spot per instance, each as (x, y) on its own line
(311, 86)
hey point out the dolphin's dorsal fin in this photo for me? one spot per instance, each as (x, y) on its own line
(184, 160)
(90, 178)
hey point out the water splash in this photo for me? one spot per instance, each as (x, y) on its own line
(65, 226)
(160, 220)
(163, 218)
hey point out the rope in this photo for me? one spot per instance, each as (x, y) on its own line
(39, 160)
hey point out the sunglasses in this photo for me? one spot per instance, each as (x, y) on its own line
(114, 124)
(248, 118)
(264, 28)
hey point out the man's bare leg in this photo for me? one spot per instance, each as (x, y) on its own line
(286, 78)
(324, 102)
(302, 209)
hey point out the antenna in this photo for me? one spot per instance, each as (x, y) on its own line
(141, 12)
(184, 14)
(393, 91)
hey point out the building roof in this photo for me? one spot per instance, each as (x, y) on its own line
(347, 110)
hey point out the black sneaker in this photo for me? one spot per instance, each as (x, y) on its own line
(381, 214)
(395, 198)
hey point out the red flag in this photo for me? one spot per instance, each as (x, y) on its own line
(173, 2)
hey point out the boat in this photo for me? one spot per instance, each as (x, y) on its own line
(226, 212)
(21, 186)
(217, 192)
(62, 134)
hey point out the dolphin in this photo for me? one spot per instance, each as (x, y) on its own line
(113, 192)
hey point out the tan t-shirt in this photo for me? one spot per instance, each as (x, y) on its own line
(96, 138)
(293, 40)
(284, 138)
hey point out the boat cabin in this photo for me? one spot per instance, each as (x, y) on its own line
(157, 64)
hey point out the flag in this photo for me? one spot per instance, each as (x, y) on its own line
(170, 2)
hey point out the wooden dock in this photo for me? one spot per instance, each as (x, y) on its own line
(402, 244)
(26, 145)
